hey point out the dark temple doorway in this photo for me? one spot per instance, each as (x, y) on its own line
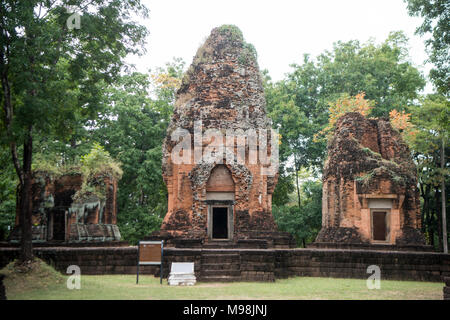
(58, 225)
(220, 223)
(379, 225)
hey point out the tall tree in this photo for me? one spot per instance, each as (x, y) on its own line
(132, 129)
(54, 61)
(431, 119)
(436, 17)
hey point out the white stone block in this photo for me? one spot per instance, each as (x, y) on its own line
(182, 274)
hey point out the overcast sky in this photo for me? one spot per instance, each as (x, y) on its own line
(281, 30)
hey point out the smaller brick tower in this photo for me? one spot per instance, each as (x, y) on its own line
(370, 193)
(58, 217)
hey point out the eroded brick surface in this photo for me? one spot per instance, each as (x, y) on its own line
(57, 217)
(369, 169)
(222, 89)
(251, 264)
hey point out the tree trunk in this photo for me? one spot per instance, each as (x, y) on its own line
(24, 172)
(26, 252)
(431, 236)
(439, 216)
(296, 181)
(429, 213)
(444, 217)
(423, 214)
(427, 220)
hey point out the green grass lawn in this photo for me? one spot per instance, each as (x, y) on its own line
(49, 284)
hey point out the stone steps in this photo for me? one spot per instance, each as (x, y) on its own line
(240, 243)
(221, 273)
(220, 266)
(219, 245)
(220, 258)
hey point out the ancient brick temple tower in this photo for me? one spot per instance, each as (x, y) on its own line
(370, 190)
(218, 197)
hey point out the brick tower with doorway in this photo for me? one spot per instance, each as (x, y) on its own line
(219, 184)
(370, 194)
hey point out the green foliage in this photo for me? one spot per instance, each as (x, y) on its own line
(370, 152)
(131, 129)
(248, 50)
(248, 54)
(435, 14)
(99, 162)
(431, 119)
(50, 165)
(71, 93)
(54, 77)
(236, 33)
(135, 125)
(283, 190)
(56, 74)
(303, 222)
(365, 178)
(8, 185)
(382, 71)
(95, 166)
(138, 223)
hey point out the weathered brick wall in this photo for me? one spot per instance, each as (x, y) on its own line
(367, 246)
(418, 266)
(91, 260)
(103, 260)
(255, 264)
(369, 161)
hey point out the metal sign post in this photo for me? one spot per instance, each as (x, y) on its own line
(150, 253)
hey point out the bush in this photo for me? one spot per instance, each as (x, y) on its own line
(138, 223)
(303, 222)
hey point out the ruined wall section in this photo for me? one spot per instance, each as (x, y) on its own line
(367, 159)
(61, 213)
